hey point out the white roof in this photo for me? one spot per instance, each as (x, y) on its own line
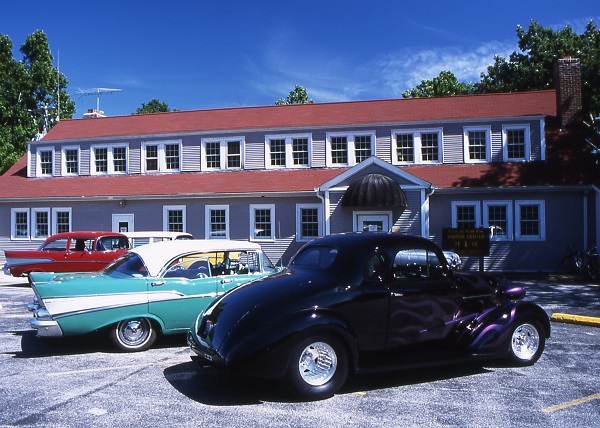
(156, 255)
(156, 234)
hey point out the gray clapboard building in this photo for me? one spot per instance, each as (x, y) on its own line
(283, 175)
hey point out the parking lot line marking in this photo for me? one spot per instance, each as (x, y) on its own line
(571, 403)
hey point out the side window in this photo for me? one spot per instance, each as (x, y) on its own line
(320, 257)
(112, 243)
(375, 267)
(415, 264)
(192, 267)
(81, 244)
(56, 245)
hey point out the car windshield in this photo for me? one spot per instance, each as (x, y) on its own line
(320, 257)
(129, 265)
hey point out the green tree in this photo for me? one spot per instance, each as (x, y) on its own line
(533, 67)
(30, 91)
(153, 106)
(444, 85)
(297, 96)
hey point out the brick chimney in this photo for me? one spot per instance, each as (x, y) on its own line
(567, 77)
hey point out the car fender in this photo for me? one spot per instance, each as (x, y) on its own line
(489, 333)
(106, 319)
(267, 351)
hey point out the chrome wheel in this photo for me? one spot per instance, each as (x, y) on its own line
(317, 364)
(525, 342)
(135, 334)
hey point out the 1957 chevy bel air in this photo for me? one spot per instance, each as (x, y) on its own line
(158, 287)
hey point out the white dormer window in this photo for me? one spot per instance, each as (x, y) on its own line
(164, 156)
(70, 161)
(45, 162)
(349, 149)
(477, 144)
(516, 143)
(106, 160)
(288, 151)
(222, 153)
(416, 146)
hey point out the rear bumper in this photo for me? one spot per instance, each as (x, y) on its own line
(204, 356)
(46, 328)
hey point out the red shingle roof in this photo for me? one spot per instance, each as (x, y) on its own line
(15, 184)
(310, 115)
(566, 164)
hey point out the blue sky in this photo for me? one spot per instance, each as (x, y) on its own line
(211, 54)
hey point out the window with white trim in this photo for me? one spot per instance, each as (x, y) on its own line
(99, 160)
(497, 215)
(40, 217)
(262, 222)
(289, 151)
(220, 153)
(516, 144)
(349, 149)
(477, 144)
(174, 218)
(466, 215)
(301, 151)
(44, 162)
(405, 148)
(217, 221)
(309, 222)
(70, 161)
(234, 154)
(19, 223)
(61, 220)
(417, 146)
(430, 146)
(530, 221)
(109, 159)
(119, 159)
(162, 156)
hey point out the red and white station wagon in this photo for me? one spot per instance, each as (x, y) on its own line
(68, 252)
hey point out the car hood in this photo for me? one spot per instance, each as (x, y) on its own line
(481, 283)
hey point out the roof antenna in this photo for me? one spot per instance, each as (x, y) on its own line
(97, 92)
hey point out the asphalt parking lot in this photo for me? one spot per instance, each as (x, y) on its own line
(85, 382)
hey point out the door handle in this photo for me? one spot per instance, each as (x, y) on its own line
(154, 284)
(226, 281)
(397, 295)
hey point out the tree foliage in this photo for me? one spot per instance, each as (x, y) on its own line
(32, 96)
(153, 106)
(297, 96)
(444, 85)
(532, 68)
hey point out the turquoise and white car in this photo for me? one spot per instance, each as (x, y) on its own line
(160, 287)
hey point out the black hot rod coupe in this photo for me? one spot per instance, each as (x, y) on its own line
(366, 301)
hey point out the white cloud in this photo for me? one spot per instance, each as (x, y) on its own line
(404, 70)
(329, 79)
